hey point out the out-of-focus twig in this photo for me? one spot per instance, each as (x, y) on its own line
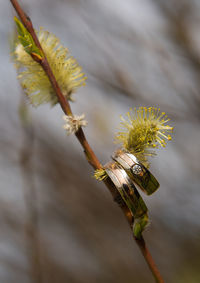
(31, 225)
(179, 29)
(178, 21)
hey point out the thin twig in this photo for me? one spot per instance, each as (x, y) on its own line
(146, 253)
(90, 155)
(30, 198)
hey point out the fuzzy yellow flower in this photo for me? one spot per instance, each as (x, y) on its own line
(144, 130)
(33, 79)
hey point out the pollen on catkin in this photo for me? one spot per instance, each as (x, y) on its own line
(143, 131)
(33, 79)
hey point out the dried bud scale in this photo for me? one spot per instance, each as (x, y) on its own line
(73, 123)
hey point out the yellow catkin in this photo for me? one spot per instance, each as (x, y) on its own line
(33, 79)
(143, 130)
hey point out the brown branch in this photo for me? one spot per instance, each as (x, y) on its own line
(146, 253)
(91, 157)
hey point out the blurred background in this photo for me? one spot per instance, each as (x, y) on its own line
(57, 223)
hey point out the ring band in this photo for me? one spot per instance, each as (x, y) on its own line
(126, 188)
(136, 171)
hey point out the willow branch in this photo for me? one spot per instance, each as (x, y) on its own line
(91, 157)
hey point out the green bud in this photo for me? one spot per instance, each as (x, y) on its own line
(139, 226)
(26, 39)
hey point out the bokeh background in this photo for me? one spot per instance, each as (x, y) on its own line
(57, 223)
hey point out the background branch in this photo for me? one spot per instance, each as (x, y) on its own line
(30, 196)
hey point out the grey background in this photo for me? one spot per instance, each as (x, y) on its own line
(57, 223)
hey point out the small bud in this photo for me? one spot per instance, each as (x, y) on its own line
(26, 39)
(100, 174)
(139, 225)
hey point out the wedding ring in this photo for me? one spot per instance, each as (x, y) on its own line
(140, 175)
(126, 188)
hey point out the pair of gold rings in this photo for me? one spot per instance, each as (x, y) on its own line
(128, 174)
